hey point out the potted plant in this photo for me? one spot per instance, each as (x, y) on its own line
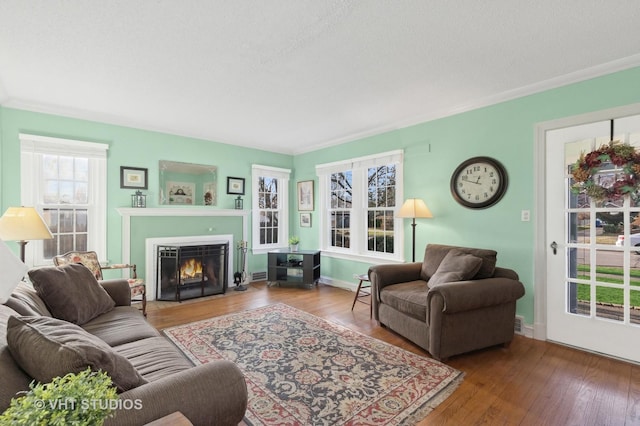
(293, 243)
(85, 398)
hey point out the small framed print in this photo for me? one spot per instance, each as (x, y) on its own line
(133, 177)
(235, 185)
(305, 195)
(305, 220)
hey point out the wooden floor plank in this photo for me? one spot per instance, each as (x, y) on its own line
(633, 402)
(529, 383)
(566, 367)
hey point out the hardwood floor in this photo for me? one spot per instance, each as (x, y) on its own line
(529, 383)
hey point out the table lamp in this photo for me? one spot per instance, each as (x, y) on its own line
(22, 224)
(413, 208)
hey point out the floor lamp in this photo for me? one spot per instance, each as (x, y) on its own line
(22, 224)
(413, 208)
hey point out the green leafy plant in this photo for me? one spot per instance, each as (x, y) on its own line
(85, 398)
(294, 240)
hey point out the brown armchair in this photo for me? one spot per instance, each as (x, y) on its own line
(453, 302)
(90, 260)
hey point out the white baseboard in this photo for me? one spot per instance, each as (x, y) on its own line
(347, 285)
(527, 331)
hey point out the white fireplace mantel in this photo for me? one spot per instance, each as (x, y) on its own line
(128, 213)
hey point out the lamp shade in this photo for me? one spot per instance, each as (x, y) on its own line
(22, 224)
(414, 207)
(13, 271)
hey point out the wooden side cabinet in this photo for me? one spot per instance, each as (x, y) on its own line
(296, 267)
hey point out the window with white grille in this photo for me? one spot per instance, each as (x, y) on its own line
(66, 181)
(358, 206)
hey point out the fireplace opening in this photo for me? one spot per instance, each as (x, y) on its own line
(189, 271)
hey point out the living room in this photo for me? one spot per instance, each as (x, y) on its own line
(433, 142)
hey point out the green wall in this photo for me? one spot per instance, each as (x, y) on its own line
(135, 148)
(432, 151)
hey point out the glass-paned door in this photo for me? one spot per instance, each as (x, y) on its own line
(593, 246)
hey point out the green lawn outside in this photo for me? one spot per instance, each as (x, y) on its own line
(607, 274)
(607, 295)
(609, 270)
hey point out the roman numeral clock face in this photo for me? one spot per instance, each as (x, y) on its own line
(479, 182)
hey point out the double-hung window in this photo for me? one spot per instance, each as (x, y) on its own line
(66, 181)
(359, 200)
(271, 208)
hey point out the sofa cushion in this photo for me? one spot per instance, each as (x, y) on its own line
(409, 298)
(71, 292)
(122, 324)
(48, 347)
(434, 253)
(456, 266)
(154, 358)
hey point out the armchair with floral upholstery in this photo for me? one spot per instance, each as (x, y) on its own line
(90, 260)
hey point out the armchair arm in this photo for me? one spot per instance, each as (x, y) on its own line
(387, 274)
(208, 394)
(119, 290)
(505, 273)
(468, 295)
(134, 274)
(394, 273)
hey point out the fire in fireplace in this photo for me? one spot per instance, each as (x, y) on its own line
(188, 271)
(191, 271)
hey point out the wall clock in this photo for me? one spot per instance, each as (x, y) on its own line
(479, 182)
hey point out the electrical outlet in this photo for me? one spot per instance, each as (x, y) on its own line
(525, 216)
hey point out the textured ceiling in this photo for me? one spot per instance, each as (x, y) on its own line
(296, 75)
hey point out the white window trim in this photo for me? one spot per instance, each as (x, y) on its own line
(33, 145)
(283, 175)
(358, 250)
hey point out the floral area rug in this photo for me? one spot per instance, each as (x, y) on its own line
(304, 370)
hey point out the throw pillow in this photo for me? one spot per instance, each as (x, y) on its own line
(456, 266)
(13, 271)
(71, 292)
(48, 347)
(435, 253)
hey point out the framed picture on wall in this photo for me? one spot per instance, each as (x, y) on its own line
(235, 185)
(305, 195)
(133, 177)
(305, 220)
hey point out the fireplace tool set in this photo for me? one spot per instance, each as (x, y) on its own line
(241, 265)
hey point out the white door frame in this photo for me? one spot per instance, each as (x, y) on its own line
(540, 243)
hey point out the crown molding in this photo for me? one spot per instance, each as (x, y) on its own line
(531, 89)
(538, 87)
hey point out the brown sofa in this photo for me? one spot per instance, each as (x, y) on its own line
(163, 380)
(453, 302)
